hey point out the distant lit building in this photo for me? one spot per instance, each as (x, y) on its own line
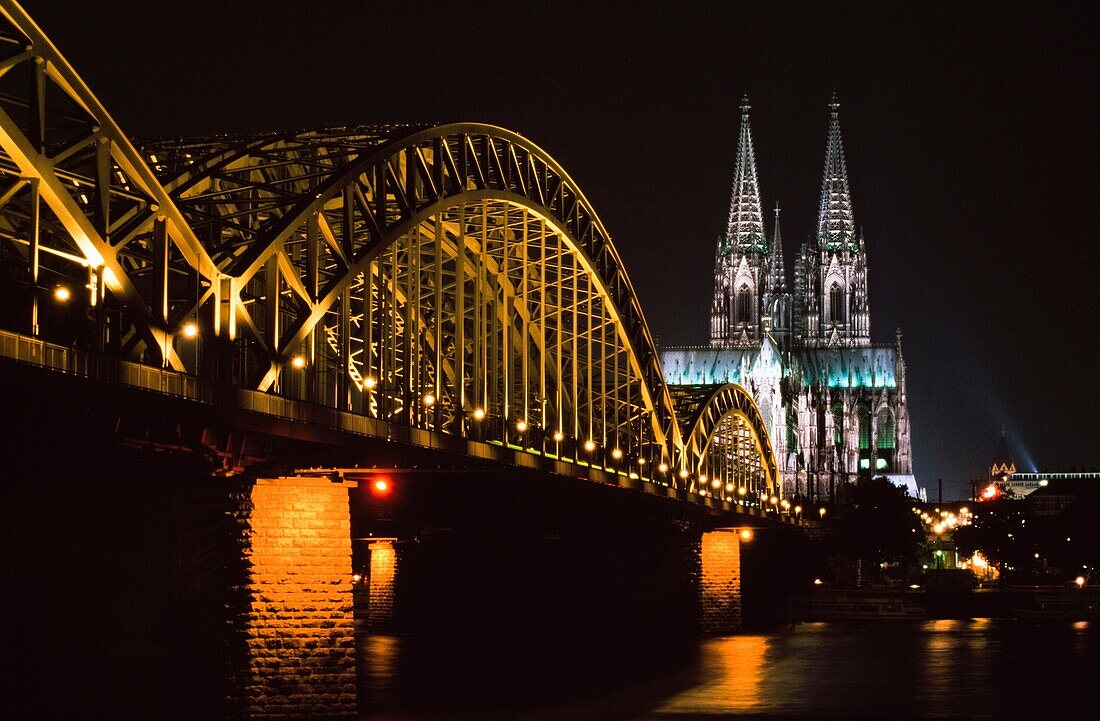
(833, 401)
(1054, 491)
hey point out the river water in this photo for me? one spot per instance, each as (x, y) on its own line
(974, 668)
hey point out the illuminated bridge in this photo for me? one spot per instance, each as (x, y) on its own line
(390, 305)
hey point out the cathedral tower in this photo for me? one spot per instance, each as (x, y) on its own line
(742, 255)
(834, 310)
(835, 405)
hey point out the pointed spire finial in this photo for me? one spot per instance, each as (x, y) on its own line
(745, 225)
(836, 226)
(777, 276)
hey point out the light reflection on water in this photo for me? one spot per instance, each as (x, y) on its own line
(933, 669)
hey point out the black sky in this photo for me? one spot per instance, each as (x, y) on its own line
(970, 132)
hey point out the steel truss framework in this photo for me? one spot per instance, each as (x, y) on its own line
(722, 441)
(453, 278)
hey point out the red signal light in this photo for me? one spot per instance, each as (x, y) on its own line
(381, 487)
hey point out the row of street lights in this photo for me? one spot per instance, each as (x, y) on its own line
(190, 331)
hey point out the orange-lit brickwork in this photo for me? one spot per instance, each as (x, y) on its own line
(299, 626)
(720, 587)
(383, 565)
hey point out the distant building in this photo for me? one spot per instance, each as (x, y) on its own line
(1049, 493)
(833, 401)
(1054, 492)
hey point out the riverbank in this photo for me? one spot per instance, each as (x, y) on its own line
(1067, 604)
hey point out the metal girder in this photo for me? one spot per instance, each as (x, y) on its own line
(440, 276)
(267, 198)
(724, 422)
(90, 177)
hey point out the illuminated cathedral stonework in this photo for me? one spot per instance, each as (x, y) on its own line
(833, 401)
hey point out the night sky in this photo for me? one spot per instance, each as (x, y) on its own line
(970, 134)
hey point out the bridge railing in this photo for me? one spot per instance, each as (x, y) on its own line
(105, 369)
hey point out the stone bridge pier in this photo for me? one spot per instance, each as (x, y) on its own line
(295, 617)
(501, 552)
(720, 603)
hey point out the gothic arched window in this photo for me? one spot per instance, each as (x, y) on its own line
(864, 417)
(744, 305)
(836, 303)
(838, 424)
(792, 431)
(885, 429)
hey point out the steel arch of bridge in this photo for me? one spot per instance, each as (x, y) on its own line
(451, 277)
(726, 441)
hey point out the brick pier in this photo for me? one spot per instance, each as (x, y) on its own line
(720, 586)
(297, 626)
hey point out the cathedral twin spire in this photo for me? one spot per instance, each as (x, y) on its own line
(740, 266)
(835, 225)
(829, 304)
(745, 226)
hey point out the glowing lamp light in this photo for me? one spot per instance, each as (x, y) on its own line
(1080, 581)
(662, 467)
(558, 436)
(521, 425)
(190, 330)
(821, 511)
(785, 503)
(356, 578)
(716, 483)
(729, 488)
(298, 361)
(641, 461)
(62, 293)
(818, 582)
(703, 478)
(369, 383)
(990, 492)
(773, 500)
(798, 509)
(684, 473)
(616, 453)
(429, 399)
(633, 476)
(479, 414)
(380, 487)
(742, 491)
(746, 534)
(590, 445)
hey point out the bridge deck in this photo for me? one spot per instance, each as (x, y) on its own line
(179, 386)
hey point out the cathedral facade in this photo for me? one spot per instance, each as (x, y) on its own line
(834, 401)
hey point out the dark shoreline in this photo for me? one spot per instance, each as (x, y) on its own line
(1063, 604)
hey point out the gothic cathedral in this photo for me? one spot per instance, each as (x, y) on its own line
(833, 401)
